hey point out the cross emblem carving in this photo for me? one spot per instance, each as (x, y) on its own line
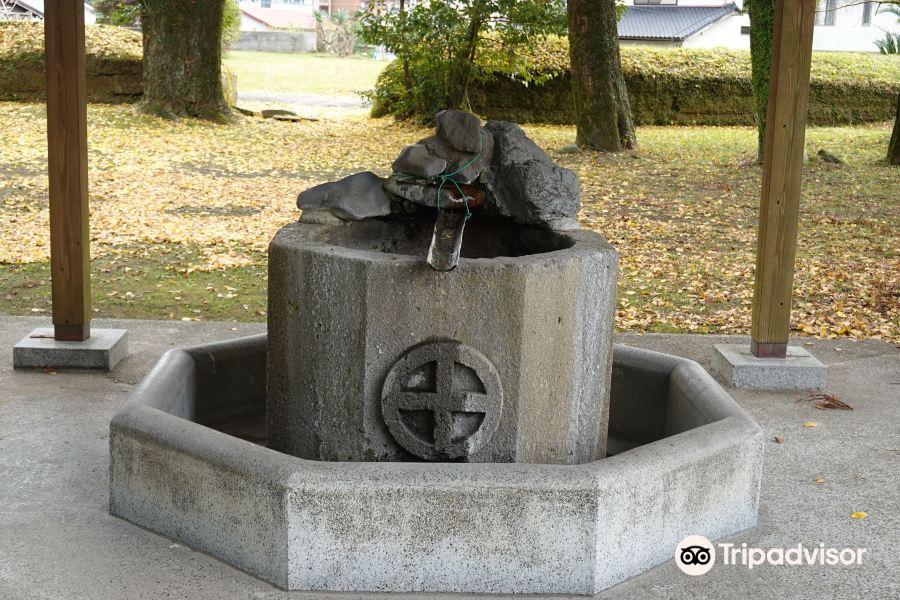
(442, 401)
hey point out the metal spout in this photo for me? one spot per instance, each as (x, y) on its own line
(446, 241)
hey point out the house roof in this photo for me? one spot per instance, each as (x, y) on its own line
(670, 23)
(281, 19)
(35, 6)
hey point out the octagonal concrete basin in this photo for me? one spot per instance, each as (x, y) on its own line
(188, 460)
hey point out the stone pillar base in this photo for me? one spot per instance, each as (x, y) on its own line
(100, 352)
(739, 368)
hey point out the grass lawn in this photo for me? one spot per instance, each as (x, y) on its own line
(305, 73)
(182, 214)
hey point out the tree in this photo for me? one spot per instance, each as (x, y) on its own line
(602, 110)
(440, 42)
(127, 13)
(762, 25)
(893, 155)
(407, 82)
(231, 24)
(183, 58)
(336, 32)
(118, 12)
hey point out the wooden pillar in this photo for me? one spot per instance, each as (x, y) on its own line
(67, 165)
(782, 170)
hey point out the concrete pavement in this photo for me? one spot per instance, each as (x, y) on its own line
(57, 540)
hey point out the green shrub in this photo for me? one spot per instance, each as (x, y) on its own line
(113, 62)
(336, 32)
(125, 13)
(438, 42)
(674, 86)
(231, 24)
(229, 86)
(889, 43)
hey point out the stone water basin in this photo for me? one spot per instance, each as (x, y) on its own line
(370, 351)
(189, 461)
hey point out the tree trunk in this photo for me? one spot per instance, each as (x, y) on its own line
(762, 25)
(183, 58)
(407, 81)
(893, 156)
(602, 110)
(462, 68)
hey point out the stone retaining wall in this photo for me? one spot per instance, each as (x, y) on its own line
(676, 101)
(276, 41)
(23, 79)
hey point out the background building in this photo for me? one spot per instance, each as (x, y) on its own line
(267, 15)
(842, 25)
(33, 10)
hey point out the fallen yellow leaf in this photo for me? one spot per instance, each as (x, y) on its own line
(205, 201)
(819, 480)
(810, 424)
(859, 515)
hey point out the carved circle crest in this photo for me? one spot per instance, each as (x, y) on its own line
(442, 401)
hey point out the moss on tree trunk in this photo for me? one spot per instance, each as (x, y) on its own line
(183, 58)
(894, 146)
(762, 26)
(602, 111)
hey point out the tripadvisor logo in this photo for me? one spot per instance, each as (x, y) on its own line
(696, 555)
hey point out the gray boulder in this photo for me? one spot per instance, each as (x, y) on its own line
(456, 159)
(353, 198)
(320, 216)
(417, 192)
(402, 206)
(525, 184)
(269, 113)
(417, 161)
(828, 157)
(459, 130)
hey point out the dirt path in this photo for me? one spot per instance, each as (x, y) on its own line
(290, 100)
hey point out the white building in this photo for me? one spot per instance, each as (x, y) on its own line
(851, 25)
(33, 10)
(267, 15)
(841, 25)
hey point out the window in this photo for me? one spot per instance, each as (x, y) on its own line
(745, 30)
(825, 15)
(830, 11)
(867, 13)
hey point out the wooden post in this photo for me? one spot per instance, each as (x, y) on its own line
(67, 165)
(782, 170)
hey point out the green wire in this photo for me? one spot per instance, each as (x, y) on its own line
(445, 177)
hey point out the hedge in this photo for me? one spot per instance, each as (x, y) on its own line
(113, 62)
(679, 86)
